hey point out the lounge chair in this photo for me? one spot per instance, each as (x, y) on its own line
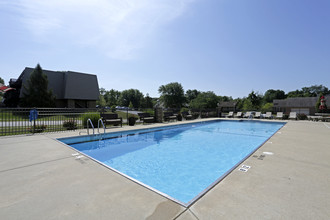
(238, 115)
(293, 115)
(279, 115)
(230, 115)
(269, 115)
(257, 115)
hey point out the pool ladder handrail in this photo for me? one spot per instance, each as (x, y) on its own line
(98, 126)
(90, 121)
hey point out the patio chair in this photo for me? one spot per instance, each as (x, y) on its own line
(279, 115)
(168, 116)
(238, 115)
(269, 115)
(293, 115)
(230, 115)
(257, 115)
(146, 117)
(112, 119)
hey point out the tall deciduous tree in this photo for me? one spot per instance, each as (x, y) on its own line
(101, 102)
(147, 102)
(112, 97)
(253, 101)
(272, 94)
(37, 93)
(205, 100)
(191, 94)
(172, 95)
(131, 95)
(312, 91)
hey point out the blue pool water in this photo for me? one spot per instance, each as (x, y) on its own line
(180, 161)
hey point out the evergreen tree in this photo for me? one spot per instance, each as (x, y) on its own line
(148, 102)
(37, 93)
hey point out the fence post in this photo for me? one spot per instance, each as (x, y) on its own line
(127, 115)
(34, 120)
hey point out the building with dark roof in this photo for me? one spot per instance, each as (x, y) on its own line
(71, 89)
(301, 105)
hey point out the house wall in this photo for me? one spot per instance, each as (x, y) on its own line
(60, 103)
(299, 110)
(227, 109)
(91, 104)
(70, 103)
(74, 103)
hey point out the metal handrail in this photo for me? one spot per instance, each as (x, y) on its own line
(89, 120)
(98, 126)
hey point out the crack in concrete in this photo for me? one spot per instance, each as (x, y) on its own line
(34, 164)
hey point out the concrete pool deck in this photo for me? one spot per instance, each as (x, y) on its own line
(41, 179)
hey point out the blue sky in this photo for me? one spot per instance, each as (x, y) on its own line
(230, 47)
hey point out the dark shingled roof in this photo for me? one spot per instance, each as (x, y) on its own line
(67, 85)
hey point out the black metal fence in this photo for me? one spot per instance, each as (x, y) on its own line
(15, 121)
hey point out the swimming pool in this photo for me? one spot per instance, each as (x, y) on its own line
(179, 162)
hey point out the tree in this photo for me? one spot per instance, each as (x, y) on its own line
(147, 102)
(312, 91)
(112, 97)
(172, 95)
(131, 95)
(246, 104)
(225, 98)
(205, 100)
(101, 102)
(102, 91)
(37, 93)
(130, 105)
(272, 94)
(268, 107)
(191, 94)
(253, 101)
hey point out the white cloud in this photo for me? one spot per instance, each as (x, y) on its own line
(117, 27)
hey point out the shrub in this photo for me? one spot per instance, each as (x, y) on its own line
(268, 107)
(94, 116)
(149, 110)
(184, 110)
(113, 108)
(70, 124)
(301, 116)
